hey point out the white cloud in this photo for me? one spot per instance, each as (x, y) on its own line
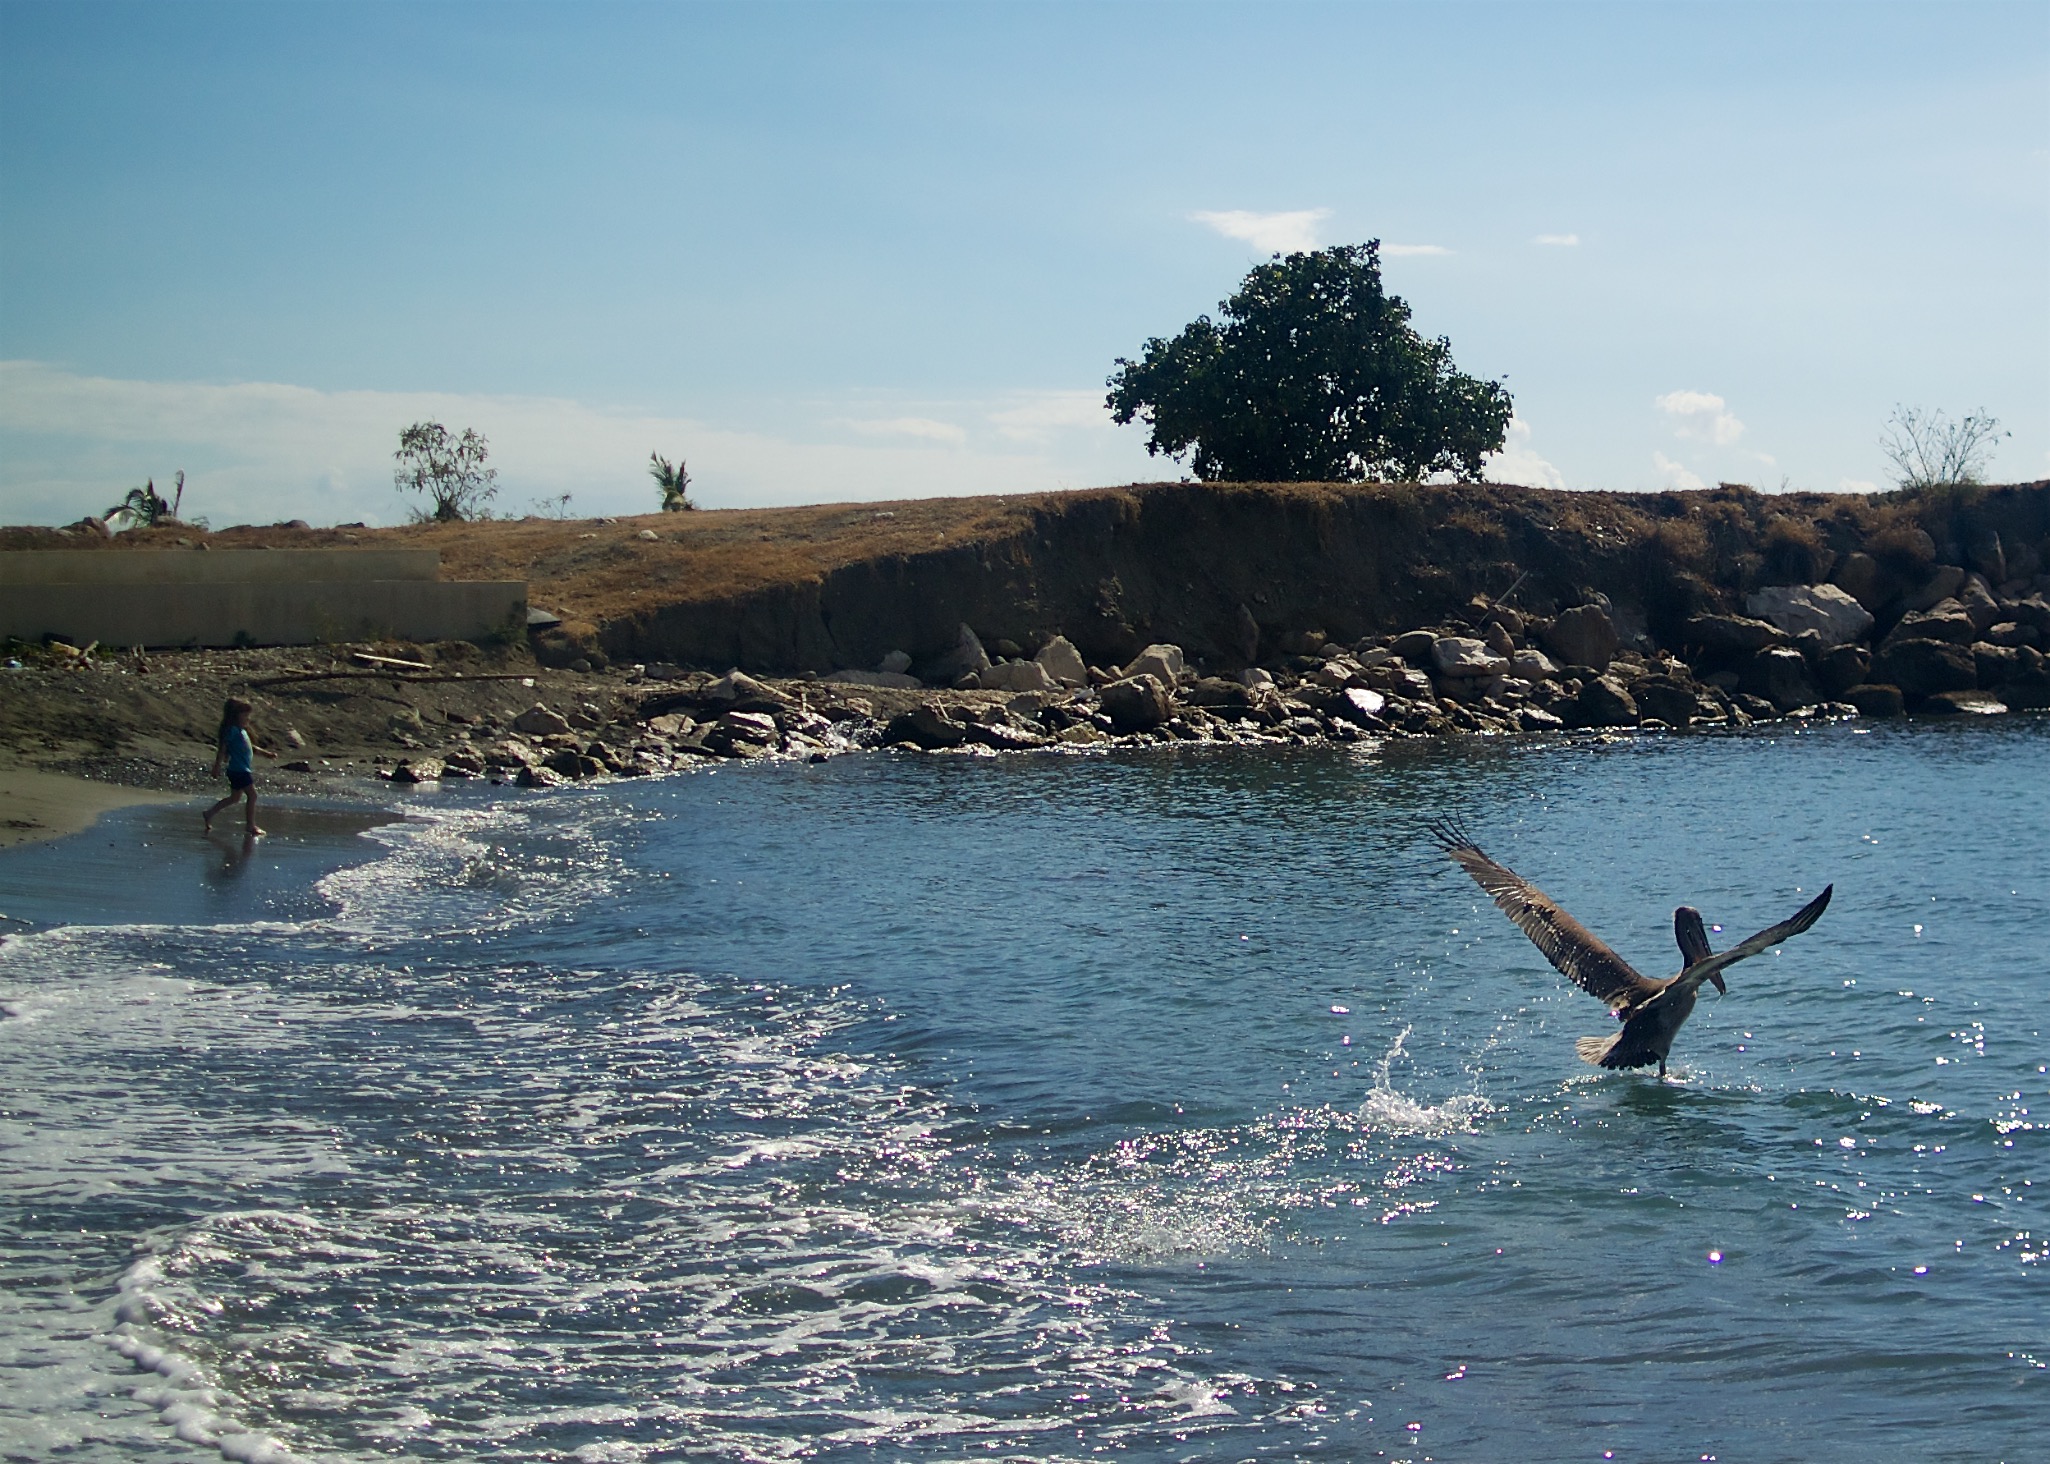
(1563, 241)
(1702, 416)
(1399, 251)
(919, 427)
(1519, 463)
(1675, 475)
(1856, 485)
(1270, 233)
(261, 452)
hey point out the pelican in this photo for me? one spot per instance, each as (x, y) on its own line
(1652, 1012)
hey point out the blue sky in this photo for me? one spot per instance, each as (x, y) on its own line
(852, 250)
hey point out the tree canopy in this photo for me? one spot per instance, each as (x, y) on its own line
(1314, 375)
(447, 470)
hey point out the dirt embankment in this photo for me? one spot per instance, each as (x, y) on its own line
(1233, 573)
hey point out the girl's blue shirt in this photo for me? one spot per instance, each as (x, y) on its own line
(241, 756)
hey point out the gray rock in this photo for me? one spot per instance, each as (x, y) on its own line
(1137, 703)
(1976, 600)
(536, 777)
(1840, 668)
(1966, 703)
(1533, 666)
(1016, 676)
(1162, 662)
(1876, 701)
(751, 727)
(2033, 611)
(539, 721)
(1256, 678)
(895, 679)
(966, 656)
(737, 688)
(2011, 633)
(419, 770)
(1583, 636)
(1780, 675)
(1537, 719)
(1063, 662)
(1944, 621)
(927, 726)
(2029, 691)
(897, 663)
(1415, 646)
(1996, 664)
(1215, 691)
(1730, 636)
(1603, 702)
(1832, 613)
(1926, 667)
(1663, 697)
(1860, 576)
(1946, 580)
(1459, 655)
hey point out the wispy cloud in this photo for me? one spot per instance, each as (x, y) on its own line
(259, 452)
(1675, 475)
(924, 428)
(1701, 415)
(1518, 462)
(1562, 241)
(1399, 251)
(1270, 233)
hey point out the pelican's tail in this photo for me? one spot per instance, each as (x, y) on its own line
(1596, 1049)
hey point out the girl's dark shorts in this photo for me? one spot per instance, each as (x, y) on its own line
(238, 780)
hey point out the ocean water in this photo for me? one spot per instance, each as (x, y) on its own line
(1174, 1106)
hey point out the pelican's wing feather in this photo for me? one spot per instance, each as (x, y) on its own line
(1765, 940)
(1566, 943)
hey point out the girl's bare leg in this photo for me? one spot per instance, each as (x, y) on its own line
(208, 818)
(253, 829)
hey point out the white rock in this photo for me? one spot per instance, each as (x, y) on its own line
(1161, 661)
(1256, 677)
(1063, 662)
(1462, 655)
(539, 721)
(1016, 676)
(1533, 666)
(1825, 609)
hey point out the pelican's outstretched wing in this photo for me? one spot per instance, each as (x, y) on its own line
(1567, 943)
(1765, 940)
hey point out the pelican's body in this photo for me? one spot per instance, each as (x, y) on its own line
(1652, 1012)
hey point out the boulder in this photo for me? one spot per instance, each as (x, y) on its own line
(1995, 664)
(1257, 678)
(1946, 621)
(1415, 646)
(967, 656)
(1663, 697)
(1832, 613)
(1860, 576)
(1137, 703)
(2029, 691)
(2012, 633)
(1533, 666)
(1163, 663)
(897, 663)
(1510, 620)
(738, 689)
(420, 770)
(1499, 640)
(1780, 675)
(1876, 701)
(1988, 555)
(751, 727)
(1584, 636)
(1731, 637)
(1963, 703)
(928, 726)
(539, 721)
(1215, 691)
(2034, 612)
(1537, 719)
(1459, 655)
(1840, 668)
(1016, 676)
(1063, 662)
(1926, 667)
(1005, 736)
(1604, 703)
(535, 777)
(1362, 703)
(897, 679)
(1975, 598)
(1946, 580)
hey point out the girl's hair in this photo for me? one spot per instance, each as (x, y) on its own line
(230, 710)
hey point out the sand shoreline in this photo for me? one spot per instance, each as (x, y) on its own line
(38, 805)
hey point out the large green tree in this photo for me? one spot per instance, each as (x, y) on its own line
(1314, 375)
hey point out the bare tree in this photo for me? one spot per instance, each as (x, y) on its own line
(448, 470)
(1929, 450)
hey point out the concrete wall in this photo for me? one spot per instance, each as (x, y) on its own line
(277, 597)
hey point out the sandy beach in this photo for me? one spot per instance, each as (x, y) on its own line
(36, 805)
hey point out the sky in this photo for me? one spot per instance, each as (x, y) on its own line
(856, 251)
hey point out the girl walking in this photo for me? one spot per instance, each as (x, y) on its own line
(233, 746)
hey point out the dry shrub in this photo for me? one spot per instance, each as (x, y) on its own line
(1794, 549)
(1679, 544)
(1904, 547)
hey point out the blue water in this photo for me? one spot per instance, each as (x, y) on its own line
(1165, 1106)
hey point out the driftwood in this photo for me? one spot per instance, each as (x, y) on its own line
(369, 660)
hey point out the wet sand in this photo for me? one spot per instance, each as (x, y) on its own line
(37, 805)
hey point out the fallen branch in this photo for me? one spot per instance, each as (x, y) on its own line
(301, 678)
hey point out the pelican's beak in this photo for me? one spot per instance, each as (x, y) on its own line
(1717, 978)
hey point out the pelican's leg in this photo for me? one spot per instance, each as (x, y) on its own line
(1662, 1070)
